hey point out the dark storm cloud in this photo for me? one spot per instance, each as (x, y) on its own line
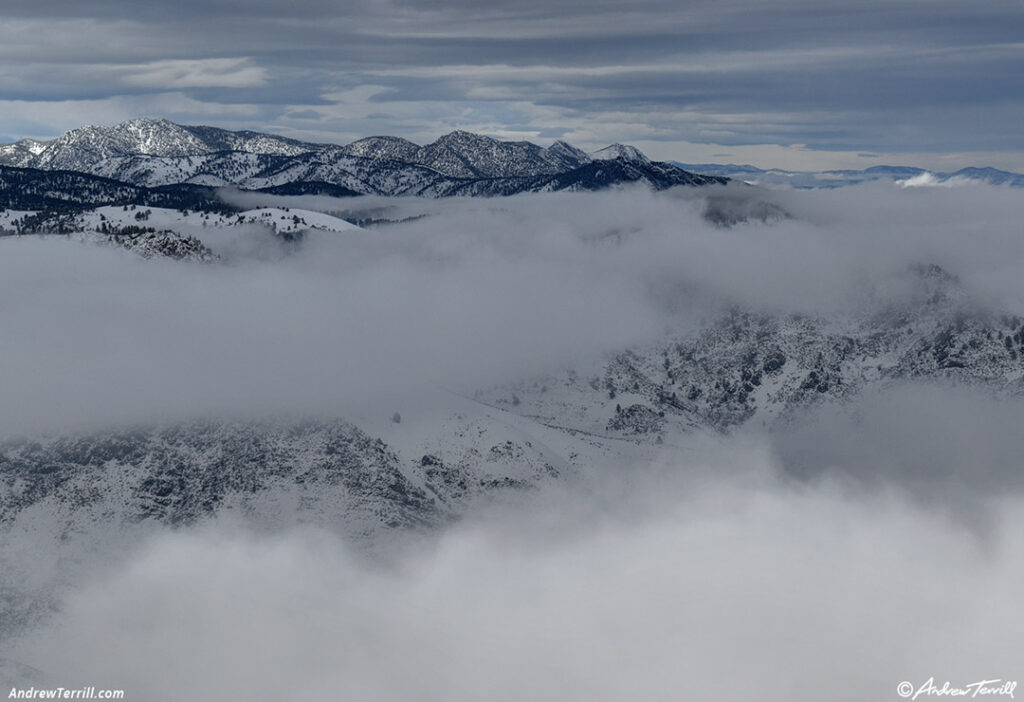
(866, 76)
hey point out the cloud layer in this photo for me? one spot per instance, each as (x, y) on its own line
(872, 544)
(478, 293)
(734, 587)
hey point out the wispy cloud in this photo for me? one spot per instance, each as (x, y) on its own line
(195, 73)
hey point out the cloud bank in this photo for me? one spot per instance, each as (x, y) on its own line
(728, 586)
(866, 545)
(477, 293)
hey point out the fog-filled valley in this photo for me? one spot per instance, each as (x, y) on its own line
(705, 443)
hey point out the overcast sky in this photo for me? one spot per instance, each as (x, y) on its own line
(790, 83)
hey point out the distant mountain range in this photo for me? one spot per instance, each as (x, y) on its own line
(907, 175)
(157, 163)
(154, 154)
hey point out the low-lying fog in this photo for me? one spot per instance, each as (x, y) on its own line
(480, 291)
(864, 546)
(734, 586)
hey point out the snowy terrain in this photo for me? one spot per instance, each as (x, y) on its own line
(448, 450)
(281, 220)
(499, 382)
(153, 153)
(178, 234)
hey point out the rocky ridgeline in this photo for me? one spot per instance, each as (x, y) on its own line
(753, 367)
(142, 155)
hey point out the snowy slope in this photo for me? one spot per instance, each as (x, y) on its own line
(623, 151)
(280, 219)
(178, 234)
(81, 148)
(114, 217)
(153, 153)
(752, 368)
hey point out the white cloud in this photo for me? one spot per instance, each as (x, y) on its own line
(198, 73)
(517, 285)
(732, 588)
(710, 570)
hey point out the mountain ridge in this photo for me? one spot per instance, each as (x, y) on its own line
(904, 175)
(155, 153)
(163, 138)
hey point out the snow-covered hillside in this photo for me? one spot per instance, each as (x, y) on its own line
(154, 153)
(155, 144)
(178, 234)
(82, 148)
(280, 219)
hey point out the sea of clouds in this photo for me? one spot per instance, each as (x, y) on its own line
(865, 545)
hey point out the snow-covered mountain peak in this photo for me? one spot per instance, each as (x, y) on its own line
(383, 148)
(146, 124)
(158, 137)
(92, 148)
(564, 147)
(466, 155)
(21, 153)
(461, 136)
(85, 146)
(623, 151)
(566, 154)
